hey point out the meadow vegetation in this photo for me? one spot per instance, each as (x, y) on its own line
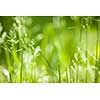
(50, 49)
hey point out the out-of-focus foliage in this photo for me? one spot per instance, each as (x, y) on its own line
(49, 49)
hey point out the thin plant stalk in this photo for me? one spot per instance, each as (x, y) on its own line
(59, 71)
(21, 68)
(97, 52)
(86, 56)
(77, 79)
(21, 60)
(77, 74)
(70, 72)
(48, 64)
(8, 62)
(66, 75)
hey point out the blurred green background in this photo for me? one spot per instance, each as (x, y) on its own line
(49, 49)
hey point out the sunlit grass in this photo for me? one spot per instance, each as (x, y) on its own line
(50, 49)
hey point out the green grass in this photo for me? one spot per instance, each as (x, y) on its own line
(55, 49)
